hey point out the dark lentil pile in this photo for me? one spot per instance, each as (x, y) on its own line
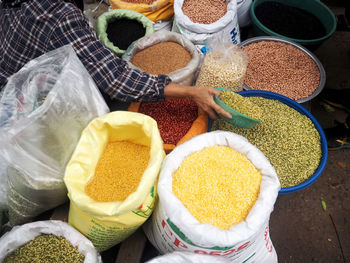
(46, 249)
(174, 117)
(288, 139)
(122, 32)
(241, 104)
(289, 21)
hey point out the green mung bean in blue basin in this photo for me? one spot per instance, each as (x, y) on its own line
(288, 139)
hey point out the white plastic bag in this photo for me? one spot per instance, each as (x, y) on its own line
(200, 34)
(20, 235)
(43, 110)
(243, 12)
(173, 228)
(186, 257)
(184, 75)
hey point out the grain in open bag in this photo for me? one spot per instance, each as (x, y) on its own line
(47, 249)
(184, 75)
(224, 65)
(117, 29)
(200, 33)
(106, 222)
(174, 228)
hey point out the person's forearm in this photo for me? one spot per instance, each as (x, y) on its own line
(173, 90)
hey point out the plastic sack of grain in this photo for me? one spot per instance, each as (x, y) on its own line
(186, 257)
(155, 10)
(43, 110)
(183, 75)
(224, 65)
(108, 17)
(173, 228)
(109, 222)
(201, 33)
(20, 235)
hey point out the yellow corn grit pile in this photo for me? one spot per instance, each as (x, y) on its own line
(118, 172)
(217, 185)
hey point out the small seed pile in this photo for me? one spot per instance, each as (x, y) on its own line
(204, 11)
(281, 68)
(226, 70)
(162, 58)
(46, 249)
(147, 2)
(118, 172)
(217, 185)
(241, 104)
(174, 117)
(288, 139)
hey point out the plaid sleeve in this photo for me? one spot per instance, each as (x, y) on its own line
(111, 74)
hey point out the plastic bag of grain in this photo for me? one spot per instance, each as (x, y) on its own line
(43, 110)
(186, 257)
(184, 75)
(204, 30)
(107, 221)
(20, 235)
(174, 228)
(224, 65)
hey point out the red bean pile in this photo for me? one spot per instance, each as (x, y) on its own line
(174, 117)
(147, 2)
(281, 68)
(204, 11)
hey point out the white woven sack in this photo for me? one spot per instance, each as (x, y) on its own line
(184, 76)
(173, 228)
(200, 34)
(186, 257)
(21, 235)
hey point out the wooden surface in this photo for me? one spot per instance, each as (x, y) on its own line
(131, 249)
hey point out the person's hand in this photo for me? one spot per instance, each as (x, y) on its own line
(202, 96)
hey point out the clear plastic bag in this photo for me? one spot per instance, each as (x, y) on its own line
(224, 65)
(43, 110)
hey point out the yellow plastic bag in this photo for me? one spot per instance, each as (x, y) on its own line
(108, 223)
(158, 10)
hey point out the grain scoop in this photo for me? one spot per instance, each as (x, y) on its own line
(238, 118)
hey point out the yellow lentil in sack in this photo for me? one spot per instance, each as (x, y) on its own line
(217, 185)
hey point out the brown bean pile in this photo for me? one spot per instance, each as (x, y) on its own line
(281, 68)
(162, 58)
(204, 11)
(147, 2)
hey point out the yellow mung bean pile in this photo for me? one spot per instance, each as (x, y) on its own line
(118, 172)
(217, 185)
(162, 58)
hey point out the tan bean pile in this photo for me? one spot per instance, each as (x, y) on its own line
(162, 58)
(281, 68)
(204, 11)
(147, 2)
(226, 70)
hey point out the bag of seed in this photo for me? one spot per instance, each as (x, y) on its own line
(111, 177)
(44, 108)
(167, 53)
(216, 193)
(201, 21)
(49, 241)
(117, 29)
(155, 10)
(224, 65)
